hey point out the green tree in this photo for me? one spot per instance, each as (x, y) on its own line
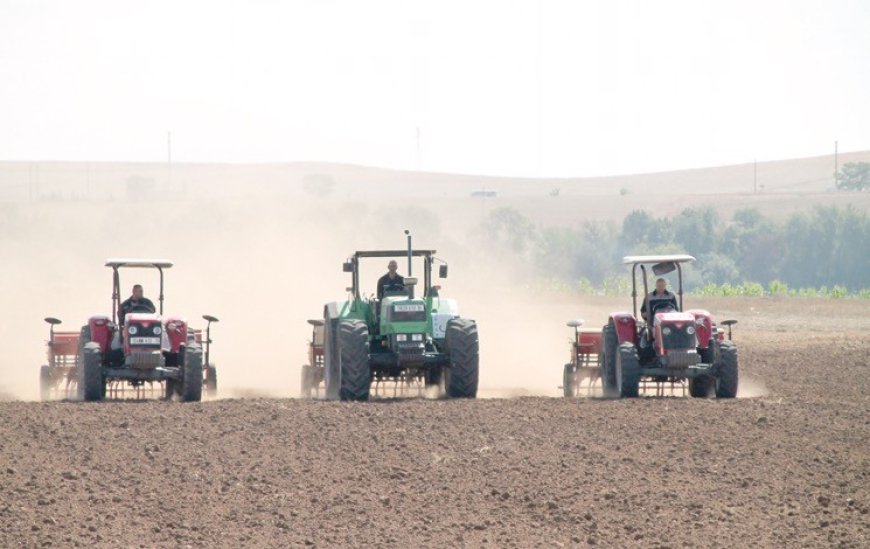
(695, 230)
(510, 228)
(854, 176)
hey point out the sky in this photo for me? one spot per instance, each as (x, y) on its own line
(523, 88)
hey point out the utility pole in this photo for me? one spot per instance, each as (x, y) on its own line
(836, 162)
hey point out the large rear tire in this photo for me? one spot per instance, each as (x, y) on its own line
(463, 343)
(568, 381)
(91, 384)
(726, 371)
(331, 365)
(191, 374)
(608, 364)
(45, 382)
(353, 355)
(628, 371)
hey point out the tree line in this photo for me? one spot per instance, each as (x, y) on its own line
(826, 248)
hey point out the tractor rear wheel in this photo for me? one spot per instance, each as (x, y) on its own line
(725, 370)
(608, 365)
(568, 381)
(331, 365)
(191, 374)
(44, 382)
(211, 381)
(353, 353)
(701, 386)
(91, 384)
(464, 345)
(628, 371)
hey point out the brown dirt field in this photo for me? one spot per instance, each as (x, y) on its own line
(789, 468)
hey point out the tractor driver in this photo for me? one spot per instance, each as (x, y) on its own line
(392, 281)
(136, 303)
(659, 300)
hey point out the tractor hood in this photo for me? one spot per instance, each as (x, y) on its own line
(675, 318)
(400, 309)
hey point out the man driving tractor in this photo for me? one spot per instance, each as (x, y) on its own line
(392, 281)
(659, 299)
(136, 303)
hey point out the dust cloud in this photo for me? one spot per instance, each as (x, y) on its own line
(261, 248)
(263, 262)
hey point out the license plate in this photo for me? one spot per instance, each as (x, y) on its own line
(144, 341)
(415, 308)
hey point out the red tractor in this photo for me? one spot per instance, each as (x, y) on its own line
(666, 344)
(143, 347)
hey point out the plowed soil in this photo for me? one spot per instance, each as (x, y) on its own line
(788, 465)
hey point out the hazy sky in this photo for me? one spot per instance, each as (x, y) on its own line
(496, 87)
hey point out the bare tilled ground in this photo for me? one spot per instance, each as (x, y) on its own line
(789, 468)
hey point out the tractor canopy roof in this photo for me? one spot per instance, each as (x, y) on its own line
(638, 259)
(116, 263)
(394, 253)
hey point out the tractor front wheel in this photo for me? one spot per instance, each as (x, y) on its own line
(191, 374)
(91, 384)
(700, 387)
(725, 370)
(464, 345)
(353, 354)
(628, 371)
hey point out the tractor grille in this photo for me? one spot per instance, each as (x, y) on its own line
(678, 338)
(145, 361)
(681, 359)
(411, 349)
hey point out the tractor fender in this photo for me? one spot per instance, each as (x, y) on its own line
(703, 326)
(626, 327)
(332, 311)
(101, 332)
(177, 334)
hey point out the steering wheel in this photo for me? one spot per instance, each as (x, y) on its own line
(394, 287)
(142, 309)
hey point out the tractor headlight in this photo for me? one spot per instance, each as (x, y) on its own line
(401, 337)
(132, 330)
(690, 330)
(157, 330)
(417, 337)
(666, 331)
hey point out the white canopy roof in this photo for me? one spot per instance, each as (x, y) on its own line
(146, 263)
(677, 258)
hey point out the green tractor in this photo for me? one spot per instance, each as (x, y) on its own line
(398, 338)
